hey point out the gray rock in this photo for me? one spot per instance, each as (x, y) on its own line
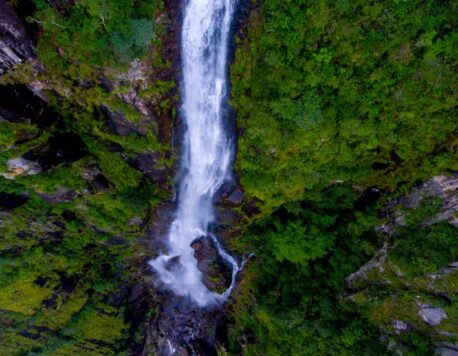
(447, 349)
(400, 326)
(62, 195)
(431, 315)
(377, 261)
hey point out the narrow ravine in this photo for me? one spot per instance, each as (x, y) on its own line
(207, 151)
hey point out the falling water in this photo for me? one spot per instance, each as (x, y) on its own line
(207, 148)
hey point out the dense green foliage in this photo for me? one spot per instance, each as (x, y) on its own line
(303, 304)
(304, 252)
(354, 91)
(96, 31)
(334, 97)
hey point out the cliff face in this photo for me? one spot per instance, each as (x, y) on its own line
(15, 43)
(85, 156)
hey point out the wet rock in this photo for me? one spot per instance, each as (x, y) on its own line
(158, 227)
(182, 329)
(236, 197)
(173, 264)
(230, 195)
(228, 217)
(15, 44)
(137, 291)
(431, 315)
(12, 201)
(217, 273)
(19, 166)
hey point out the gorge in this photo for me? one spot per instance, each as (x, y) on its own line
(207, 148)
(147, 146)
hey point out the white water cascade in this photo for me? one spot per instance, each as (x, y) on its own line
(207, 148)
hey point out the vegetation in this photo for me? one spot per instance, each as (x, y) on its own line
(69, 233)
(335, 100)
(342, 107)
(349, 91)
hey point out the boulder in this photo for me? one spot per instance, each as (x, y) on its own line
(217, 273)
(230, 195)
(431, 315)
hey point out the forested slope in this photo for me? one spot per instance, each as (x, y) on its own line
(342, 107)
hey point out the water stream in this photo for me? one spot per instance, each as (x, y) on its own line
(207, 147)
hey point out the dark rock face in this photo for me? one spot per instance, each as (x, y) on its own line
(216, 272)
(19, 104)
(62, 148)
(150, 165)
(181, 328)
(119, 125)
(15, 44)
(11, 201)
(159, 223)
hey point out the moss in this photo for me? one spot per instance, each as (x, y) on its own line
(66, 307)
(23, 296)
(12, 343)
(97, 325)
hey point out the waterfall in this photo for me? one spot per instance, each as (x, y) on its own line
(207, 147)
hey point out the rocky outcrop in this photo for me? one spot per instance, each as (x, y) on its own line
(15, 44)
(431, 315)
(217, 273)
(377, 262)
(149, 163)
(442, 187)
(182, 329)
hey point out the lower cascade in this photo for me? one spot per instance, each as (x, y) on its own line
(207, 147)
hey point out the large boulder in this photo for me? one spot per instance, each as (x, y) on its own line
(217, 273)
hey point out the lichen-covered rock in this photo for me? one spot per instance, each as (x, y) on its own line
(400, 326)
(431, 315)
(20, 165)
